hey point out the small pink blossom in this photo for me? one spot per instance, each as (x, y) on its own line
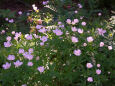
(99, 14)
(110, 47)
(77, 52)
(68, 21)
(30, 64)
(84, 44)
(44, 38)
(101, 31)
(41, 69)
(11, 20)
(74, 29)
(89, 65)
(90, 39)
(20, 12)
(39, 26)
(98, 65)
(41, 43)
(76, 11)
(8, 38)
(28, 37)
(74, 39)
(80, 6)
(30, 50)
(98, 71)
(11, 57)
(24, 85)
(76, 20)
(83, 23)
(58, 32)
(7, 44)
(43, 30)
(101, 44)
(13, 32)
(6, 19)
(18, 63)
(80, 31)
(90, 79)
(21, 51)
(7, 65)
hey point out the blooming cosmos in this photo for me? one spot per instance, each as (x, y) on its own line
(98, 65)
(30, 50)
(80, 30)
(74, 29)
(7, 65)
(101, 31)
(18, 63)
(77, 52)
(74, 39)
(28, 37)
(68, 21)
(39, 26)
(101, 44)
(89, 39)
(83, 23)
(21, 51)
(110, 47)
(89, 65)
(41, 69)
(90, 79)
(20, 12)
(30, 64)
(98, 71)
(44, 38)
(8, 38)
(58, 32)
(7, 44)
(11, 57)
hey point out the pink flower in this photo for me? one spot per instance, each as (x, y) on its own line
(39, 26)
(20, 12)
(41, 69)
(59, 23)
(76, 20)
(76, 11)
(18, 63)
(98, 71)
(80, 30)
(101, 31)
(7, 44)
(89, 39)
(13, 32)
(84, 44)
(44, 38)
(7, 65)
(74, 29)
(98, 65)
(28, 37)
(58, 32)
(24, 85)
(8, 38)
(99, 14)
(101, 44)
(41, 43)
(30, 64)
(68, 21)
(11, 21)
(110, 47)
(77, 52)
(83, 23)
(89, 65)
(43, 30)
(74, 39)
(90, 79)
(11, 57)
(21, 51)
(80, 6)
(31, 50)
(6, 19)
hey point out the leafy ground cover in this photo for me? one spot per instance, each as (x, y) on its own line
(63, 44)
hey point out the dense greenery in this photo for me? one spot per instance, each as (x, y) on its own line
(63, 44)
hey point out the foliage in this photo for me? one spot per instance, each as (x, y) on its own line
(65, 47)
